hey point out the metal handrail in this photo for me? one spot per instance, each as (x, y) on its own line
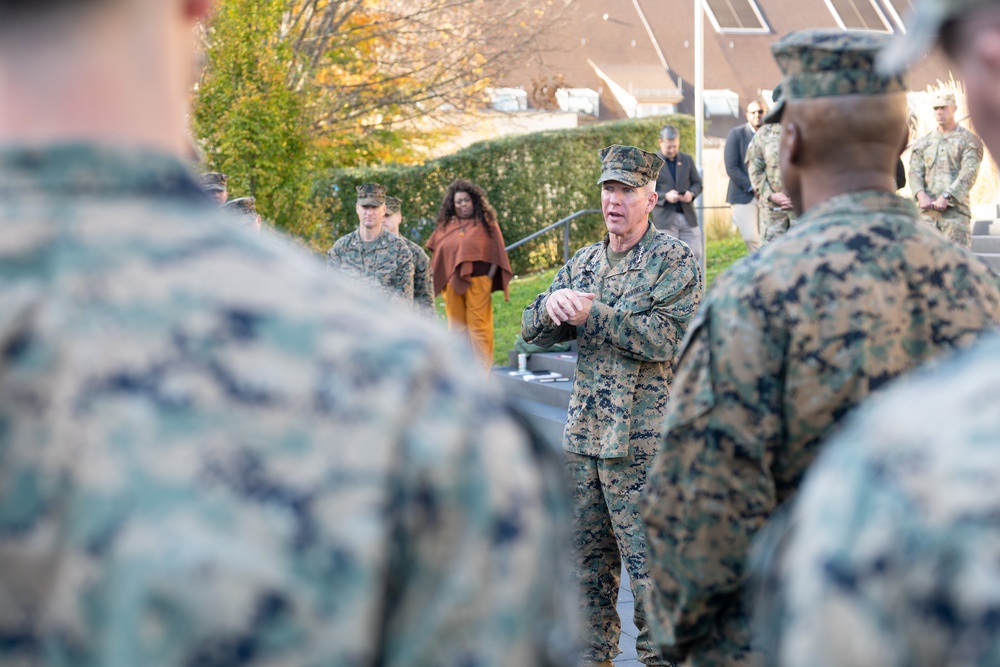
(565, 222)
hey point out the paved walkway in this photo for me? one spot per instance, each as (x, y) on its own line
(626, 606)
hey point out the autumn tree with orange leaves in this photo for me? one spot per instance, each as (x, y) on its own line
(294, 87)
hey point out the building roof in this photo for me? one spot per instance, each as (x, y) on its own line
(609, 36)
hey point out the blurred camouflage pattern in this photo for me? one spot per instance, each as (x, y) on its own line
(629, 165)
(889, 555)
(764, 169)
(215, 452)
(386, 262)
(787, 343)
(947, 162)
(623, 374)
(393, 205)
(825, 62)
(923, 27)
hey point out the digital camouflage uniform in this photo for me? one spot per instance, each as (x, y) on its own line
(216, 453)
(423, 279)
(947, 162)
(765, 176)
(622, 380)
(385, 262)
(890, 553)
(787, 343)
(890, 556)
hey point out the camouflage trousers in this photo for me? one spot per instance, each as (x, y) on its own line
(774, 223)
(951, 223)
(607, 532)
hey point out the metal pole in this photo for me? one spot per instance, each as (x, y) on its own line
(699, 114)
(566, 241)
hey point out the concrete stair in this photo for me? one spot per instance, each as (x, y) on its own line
(543, 403)
(986, 242)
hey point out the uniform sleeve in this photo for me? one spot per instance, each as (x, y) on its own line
(757, 169)
(423, 281)
(403, 274)
(734, 168)
(971, 158)
(536, 325)
(709, 489)
(333, 259)
(917, 169)
(652, 332)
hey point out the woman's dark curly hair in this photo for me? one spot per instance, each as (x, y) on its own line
(483, 212)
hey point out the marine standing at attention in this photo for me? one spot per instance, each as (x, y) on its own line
(370, 252)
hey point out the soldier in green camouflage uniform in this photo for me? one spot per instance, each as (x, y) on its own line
(423, 279)
(775, 213)
(370, 253)
(213, 452)
(627, 301)
(889, 555)
(791, 339)
(944, 165)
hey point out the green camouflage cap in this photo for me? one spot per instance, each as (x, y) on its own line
(393, 204)
(778, 100)
(923, 28)
(213, 181)
(371, 194)
(827, 62)
(241, 206)
(629, 165)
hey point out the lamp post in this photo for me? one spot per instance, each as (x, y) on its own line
(699, 114)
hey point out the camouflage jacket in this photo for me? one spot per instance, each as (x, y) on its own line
(762, 162)
(949, 162)
(215, 452)
(386, 261)
(787, 343)
(891, 548)
(628, 344)
(423, 279)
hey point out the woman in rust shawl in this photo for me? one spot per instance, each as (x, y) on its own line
(469, 263)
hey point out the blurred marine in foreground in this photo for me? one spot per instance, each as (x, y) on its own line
(890, 554)
(212, 451)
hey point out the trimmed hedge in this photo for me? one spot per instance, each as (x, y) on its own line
(532, 180)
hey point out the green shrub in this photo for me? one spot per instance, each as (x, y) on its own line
(532, 180)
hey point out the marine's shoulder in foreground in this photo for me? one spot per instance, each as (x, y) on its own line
(213, 449)
(889, 553)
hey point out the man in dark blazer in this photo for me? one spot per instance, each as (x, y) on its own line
(740, 194)
(677, 186)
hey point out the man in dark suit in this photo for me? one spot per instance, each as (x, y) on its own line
(677, 185)
(740, 194)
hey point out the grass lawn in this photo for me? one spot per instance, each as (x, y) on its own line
(524, 289)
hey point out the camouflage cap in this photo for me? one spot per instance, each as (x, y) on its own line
(943, 98)
(923, 29)
(371, 194)
(629, 165)
(241, 206)
(393, 204)
(827, 62)
(778, 105)
(213, 181)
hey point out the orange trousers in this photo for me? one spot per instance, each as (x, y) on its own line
(472, 313)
